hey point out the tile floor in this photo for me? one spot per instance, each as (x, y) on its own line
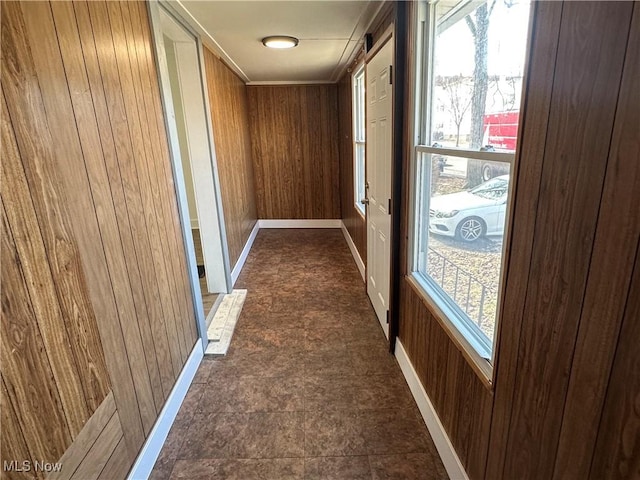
(308, 389)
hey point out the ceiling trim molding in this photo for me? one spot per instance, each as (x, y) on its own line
(207, 38)
(372, 12)
(290, 82)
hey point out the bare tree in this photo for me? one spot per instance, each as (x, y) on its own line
(456, 88)
(479, 27)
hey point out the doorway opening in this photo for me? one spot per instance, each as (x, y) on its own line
(194, 166)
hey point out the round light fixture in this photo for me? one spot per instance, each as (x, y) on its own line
(280, 41)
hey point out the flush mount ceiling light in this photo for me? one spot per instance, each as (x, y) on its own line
(280, 41)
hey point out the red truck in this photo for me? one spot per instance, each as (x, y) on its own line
(501, 130)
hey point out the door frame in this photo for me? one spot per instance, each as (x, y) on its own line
(154, 7)
(401, 119)
(396, 32)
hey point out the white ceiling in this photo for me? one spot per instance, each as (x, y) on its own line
(330, 31)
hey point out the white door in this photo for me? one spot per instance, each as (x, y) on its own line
(379, 155)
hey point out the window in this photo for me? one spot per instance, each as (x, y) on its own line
(471, 65)
(358, 139)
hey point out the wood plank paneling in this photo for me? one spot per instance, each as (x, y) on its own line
(584, 97)
(100, 452)
(230, 117)
(295, 151)
(351, 216)
(617, 450)
(39, 416)
(460, 399)
(610, 272)
(50, 258)
(98, 262)
(531, 147)
(85, 440)
(13, 446)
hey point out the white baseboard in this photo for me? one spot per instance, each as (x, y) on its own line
(445, 448)
(245, 253)
(151, 449)
(194, 224)
(334, 223)
(354, 250)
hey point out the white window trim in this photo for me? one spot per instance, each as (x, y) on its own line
(475, 348)
(360, 207)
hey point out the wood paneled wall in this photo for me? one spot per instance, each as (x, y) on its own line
(567, 379)
(294, 138)
(230, 117)
(351, 216)
(95, 297)
(568, 283)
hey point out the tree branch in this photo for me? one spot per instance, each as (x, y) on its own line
(493, 4)
(471, 25)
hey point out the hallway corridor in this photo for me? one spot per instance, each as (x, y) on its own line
(308, 389)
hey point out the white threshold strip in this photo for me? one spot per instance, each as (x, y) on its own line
(155, 441)
(443, 444)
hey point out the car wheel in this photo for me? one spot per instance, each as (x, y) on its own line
(487, 172)
(471, 229)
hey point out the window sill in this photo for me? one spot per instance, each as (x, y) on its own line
(481, 367)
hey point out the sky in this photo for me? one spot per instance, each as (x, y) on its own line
(507, 42)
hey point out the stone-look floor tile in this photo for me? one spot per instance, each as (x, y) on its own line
(170, 450)
(324, 339)
(257, 302)
(333, 468)
(323, 320)
(240, 469)
(383, 392)
(324, 302)
(245, 435)
(190, 403)
(366, 335)
(394, 431)
(259, 364)
(202, 374)
(254, 394)
(331, 362)
(308, 375)
(333, 433)
(330, 393)
(411, 466)
(268, 339)
(368, 361)
(272, 321)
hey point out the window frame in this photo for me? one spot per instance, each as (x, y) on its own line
(359, 115)
(457, 324)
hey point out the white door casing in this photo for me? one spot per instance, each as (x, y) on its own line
(198, 158)
(379, 148)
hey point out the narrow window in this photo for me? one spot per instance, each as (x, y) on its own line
(359, 139)
(471, 65)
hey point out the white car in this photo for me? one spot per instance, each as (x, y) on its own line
(473, 213)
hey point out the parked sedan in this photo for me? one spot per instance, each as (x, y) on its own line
(473, 213)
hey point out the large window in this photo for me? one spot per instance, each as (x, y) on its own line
(359, 138)
(471, 65)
